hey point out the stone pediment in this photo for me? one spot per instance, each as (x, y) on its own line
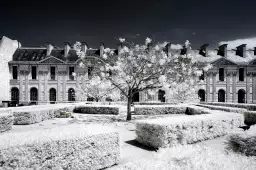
(253, 62)
(52, 60)
(223, 61)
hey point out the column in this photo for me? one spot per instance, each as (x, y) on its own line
(64, 87)
(46, 92)
(248, 99)
(208, 86)
(40, 87)
(214, 87)
(254, 87)
(234, 87)
(58, 87)
(228, 86)
(21, 87)
(26, 87)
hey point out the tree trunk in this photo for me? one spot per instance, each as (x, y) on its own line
(129, 114)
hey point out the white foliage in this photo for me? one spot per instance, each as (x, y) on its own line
(122, 40)
(148, 40)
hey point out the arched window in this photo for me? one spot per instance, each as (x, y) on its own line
(52, 96)
(33, 95)
(161, 95)
(221, 95)
(201, 95)
(241, 96)
(15, 94)
(71, 94)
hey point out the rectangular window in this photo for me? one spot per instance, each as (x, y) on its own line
(33, 70)
(52, 70)
(201, 77)
(90, 71)
(71, 71)
(14, 72)
(221, 74)
(241, 74)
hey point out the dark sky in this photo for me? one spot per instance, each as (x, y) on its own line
(34, 23)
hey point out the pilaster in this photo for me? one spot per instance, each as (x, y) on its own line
(228, 86)
(234, 87)
(208, 77)
(248, 96)
(214, 87)
(253, 87)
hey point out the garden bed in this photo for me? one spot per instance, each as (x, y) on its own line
(164, 132)
(64, 147)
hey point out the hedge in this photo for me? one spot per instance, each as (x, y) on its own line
(97, 110)
(65, 147)
(223, 108)
(195, 110)
(191, 157)
(243, 142)
(35, 115)
(164, 132)
(250, 117)
(6, 122)
(158, 110)
(251, 107)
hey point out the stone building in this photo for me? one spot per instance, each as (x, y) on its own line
(45, 74)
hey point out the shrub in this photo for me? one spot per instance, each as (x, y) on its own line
(243, 142)
(192, 157)
(194, 110)
(6, 122)
(64, 114)
(156, 110)
(250, 117)
(65, 147)
(164, 132)
(97, 110)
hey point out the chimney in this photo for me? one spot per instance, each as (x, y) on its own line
(204, 50)
(84, 46)
(254, 50)
(49, 48)
(241, 50)
(150, 46)
(119, 47)
(168, 49)
(101, 49)
(222, 51)
(66, 49)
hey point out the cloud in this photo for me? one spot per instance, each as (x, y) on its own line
(250, 43)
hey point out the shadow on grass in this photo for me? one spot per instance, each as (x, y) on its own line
(139, 145)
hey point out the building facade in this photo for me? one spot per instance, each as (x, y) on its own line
(46, 75)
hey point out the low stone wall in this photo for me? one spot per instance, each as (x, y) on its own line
(251, 107)
(65, 147)
(6, 122)
(97, 110)
(165, 132)
(223, 108)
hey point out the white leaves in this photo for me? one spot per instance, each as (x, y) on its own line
(162, 61)
(122, 40)
(74, 74)
(125, 49)
(81, 65)
(105, 56)
(157, 48)
(207, 67)
(187, 43)
(107, 50)
(148, 40)
(162, 79)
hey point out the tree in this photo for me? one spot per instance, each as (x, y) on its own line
(97, 89)
(144, 67)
